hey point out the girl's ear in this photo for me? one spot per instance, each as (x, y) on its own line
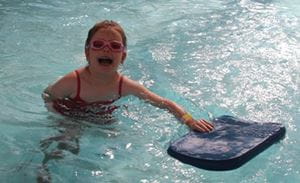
(124, 57)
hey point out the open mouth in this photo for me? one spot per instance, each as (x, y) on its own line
(105, 61)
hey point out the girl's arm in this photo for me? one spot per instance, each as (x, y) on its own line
(62, 88)
(133, 88)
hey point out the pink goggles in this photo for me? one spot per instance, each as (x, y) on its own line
(114, 46)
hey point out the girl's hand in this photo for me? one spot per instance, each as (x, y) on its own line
(201, 125)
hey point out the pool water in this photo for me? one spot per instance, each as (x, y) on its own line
(236, 57)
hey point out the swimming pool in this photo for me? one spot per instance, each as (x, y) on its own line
(237, 57)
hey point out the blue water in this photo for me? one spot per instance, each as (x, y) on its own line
(237, 57)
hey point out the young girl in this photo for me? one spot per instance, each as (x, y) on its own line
(91, 90)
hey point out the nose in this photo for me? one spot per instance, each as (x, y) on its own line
(106, 48)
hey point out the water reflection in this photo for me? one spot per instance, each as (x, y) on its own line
(67, 140)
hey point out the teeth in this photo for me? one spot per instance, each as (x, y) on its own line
(105, 60)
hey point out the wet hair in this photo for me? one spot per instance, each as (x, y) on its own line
(104, 25)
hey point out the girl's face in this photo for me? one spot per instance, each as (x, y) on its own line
(106, 51)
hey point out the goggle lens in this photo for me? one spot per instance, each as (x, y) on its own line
(115, 46)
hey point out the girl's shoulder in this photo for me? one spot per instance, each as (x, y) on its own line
(72, 77)
(67, 80)
(64, 86)
(132, 87)
(129, 83)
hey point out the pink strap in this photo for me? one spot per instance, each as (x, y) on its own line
(78, 85)
(120, 86)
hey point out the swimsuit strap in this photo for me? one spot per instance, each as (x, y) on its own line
(120, 86)
(78, 85)
(77, 97)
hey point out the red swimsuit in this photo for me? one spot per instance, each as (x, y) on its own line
(78, 108)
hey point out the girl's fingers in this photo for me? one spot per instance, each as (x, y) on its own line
(201, 125)
(207, 124)
(206, 129)
(198, 127)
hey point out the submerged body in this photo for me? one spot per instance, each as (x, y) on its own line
(79, 108)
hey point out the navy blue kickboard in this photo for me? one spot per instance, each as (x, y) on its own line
(232, 143)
